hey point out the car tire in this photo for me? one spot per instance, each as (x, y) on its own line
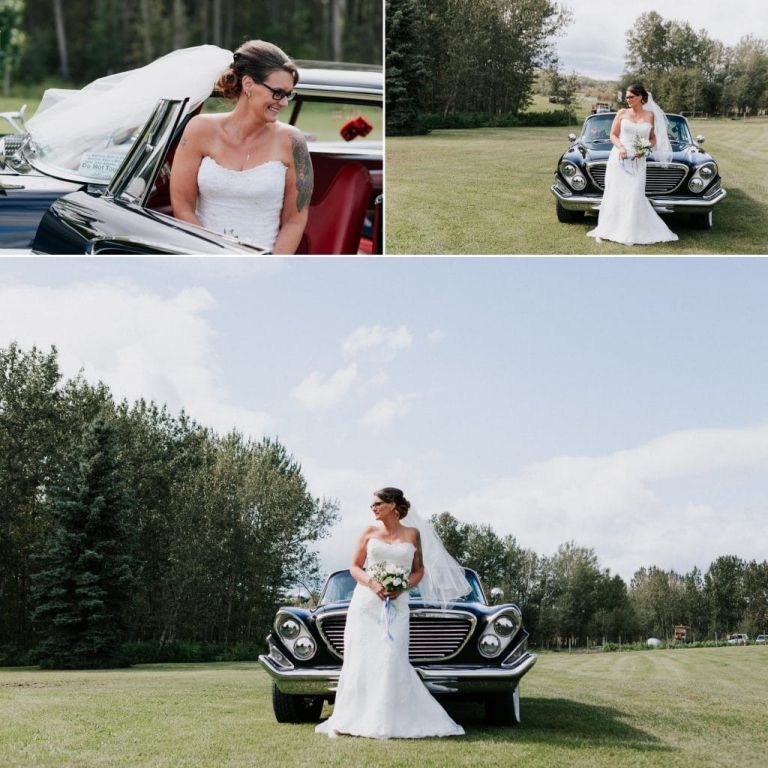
(292, 708)
(702, 220)
(503, 708)
(564, 216)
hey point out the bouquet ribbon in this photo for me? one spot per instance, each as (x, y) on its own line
(387, 609)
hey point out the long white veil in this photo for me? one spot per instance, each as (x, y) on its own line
(444, 579)
(68, 124)
(663, 149)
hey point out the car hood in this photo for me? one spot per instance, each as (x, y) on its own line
(681, 153)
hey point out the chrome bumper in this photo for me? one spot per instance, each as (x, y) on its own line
(572, 201)
(442, 679)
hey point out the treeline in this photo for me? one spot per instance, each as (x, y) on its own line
(568, 598)
(688, 71)
(123, 523)
(449, 57)
(80, 40)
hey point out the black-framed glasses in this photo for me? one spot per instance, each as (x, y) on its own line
(631, 96)
(377, 504)
(278, 94)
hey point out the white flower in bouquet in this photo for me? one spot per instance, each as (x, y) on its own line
(641, 146)
(394, 578)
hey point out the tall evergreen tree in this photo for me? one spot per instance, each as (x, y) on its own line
(85, 575)
(407, 71)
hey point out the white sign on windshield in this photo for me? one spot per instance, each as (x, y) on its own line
(100, 165)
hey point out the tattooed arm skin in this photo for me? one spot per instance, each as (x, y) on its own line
(298, 192)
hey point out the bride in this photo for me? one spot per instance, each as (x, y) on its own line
(380, 695)
(244, 173)
(626, 216)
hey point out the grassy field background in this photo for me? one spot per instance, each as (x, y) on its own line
(487, 191)
(703, 707)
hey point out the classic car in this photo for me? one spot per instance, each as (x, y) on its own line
(689, 183)
(106, 190)
(468, 649)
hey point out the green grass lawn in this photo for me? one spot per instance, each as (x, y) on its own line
(703, 707)
(487, 191)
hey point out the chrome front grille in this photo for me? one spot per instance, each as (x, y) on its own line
(434, 636)
(659, 180)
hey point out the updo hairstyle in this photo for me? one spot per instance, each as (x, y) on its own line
(258, 59)
(395, 495)
(639, 90)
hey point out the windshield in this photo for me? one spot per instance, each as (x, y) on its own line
(86, 133)
(340, 586)
(597, 129)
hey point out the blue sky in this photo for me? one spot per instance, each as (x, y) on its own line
(621, 403)
(595, 43)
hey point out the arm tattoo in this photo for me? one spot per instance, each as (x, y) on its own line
(184, 141)
(304, 175)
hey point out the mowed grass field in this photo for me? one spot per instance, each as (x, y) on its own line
(703, 707)
(487, 191)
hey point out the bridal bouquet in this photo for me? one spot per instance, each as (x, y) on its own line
(642, 146)
(393, 577)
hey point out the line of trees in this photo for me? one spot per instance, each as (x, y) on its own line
(121, 522)
(568, 598)
(447, 57)
(688, 71)
(79, 40)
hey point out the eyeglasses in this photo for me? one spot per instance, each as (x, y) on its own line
(377, 504)
(631, 96)
(278, 94)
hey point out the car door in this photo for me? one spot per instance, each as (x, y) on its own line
(117, 220)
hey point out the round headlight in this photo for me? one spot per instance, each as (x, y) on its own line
(289, 629)
(304, 648)
(489, 645)
(504, 626)
(696, 184)
(706, 172)
(578, 182)
(567, 169)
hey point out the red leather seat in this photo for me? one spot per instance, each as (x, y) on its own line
(338, 206)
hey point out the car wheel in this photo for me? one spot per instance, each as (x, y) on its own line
(292, 708)
(503, 708)
(568, 217)
(702, 220)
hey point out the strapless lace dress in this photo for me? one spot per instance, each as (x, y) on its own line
(245, 204)
(626, 216)
(380, 695)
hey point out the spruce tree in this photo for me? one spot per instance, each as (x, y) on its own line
(407, 70)
(85, 575)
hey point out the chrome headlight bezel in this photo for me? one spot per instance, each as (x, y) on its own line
(509, 620)
(300, 644)
(704, 175)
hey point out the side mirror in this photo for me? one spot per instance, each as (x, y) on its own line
(699, 139)
(571, 137)
(497, 595)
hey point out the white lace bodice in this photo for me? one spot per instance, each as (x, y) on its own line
(630, 129)
(395, 552)
(245, 204)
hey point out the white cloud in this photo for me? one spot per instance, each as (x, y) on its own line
(436, 335)
(319, 392)
(371, 337)
(141, 344)
(382, 414)
(621, 504)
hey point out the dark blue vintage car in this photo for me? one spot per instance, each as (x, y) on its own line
(107, 191)
(690, 183)
(467, 649)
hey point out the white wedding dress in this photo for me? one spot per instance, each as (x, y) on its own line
(626, 216)
(380, 695)
(244, 204)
